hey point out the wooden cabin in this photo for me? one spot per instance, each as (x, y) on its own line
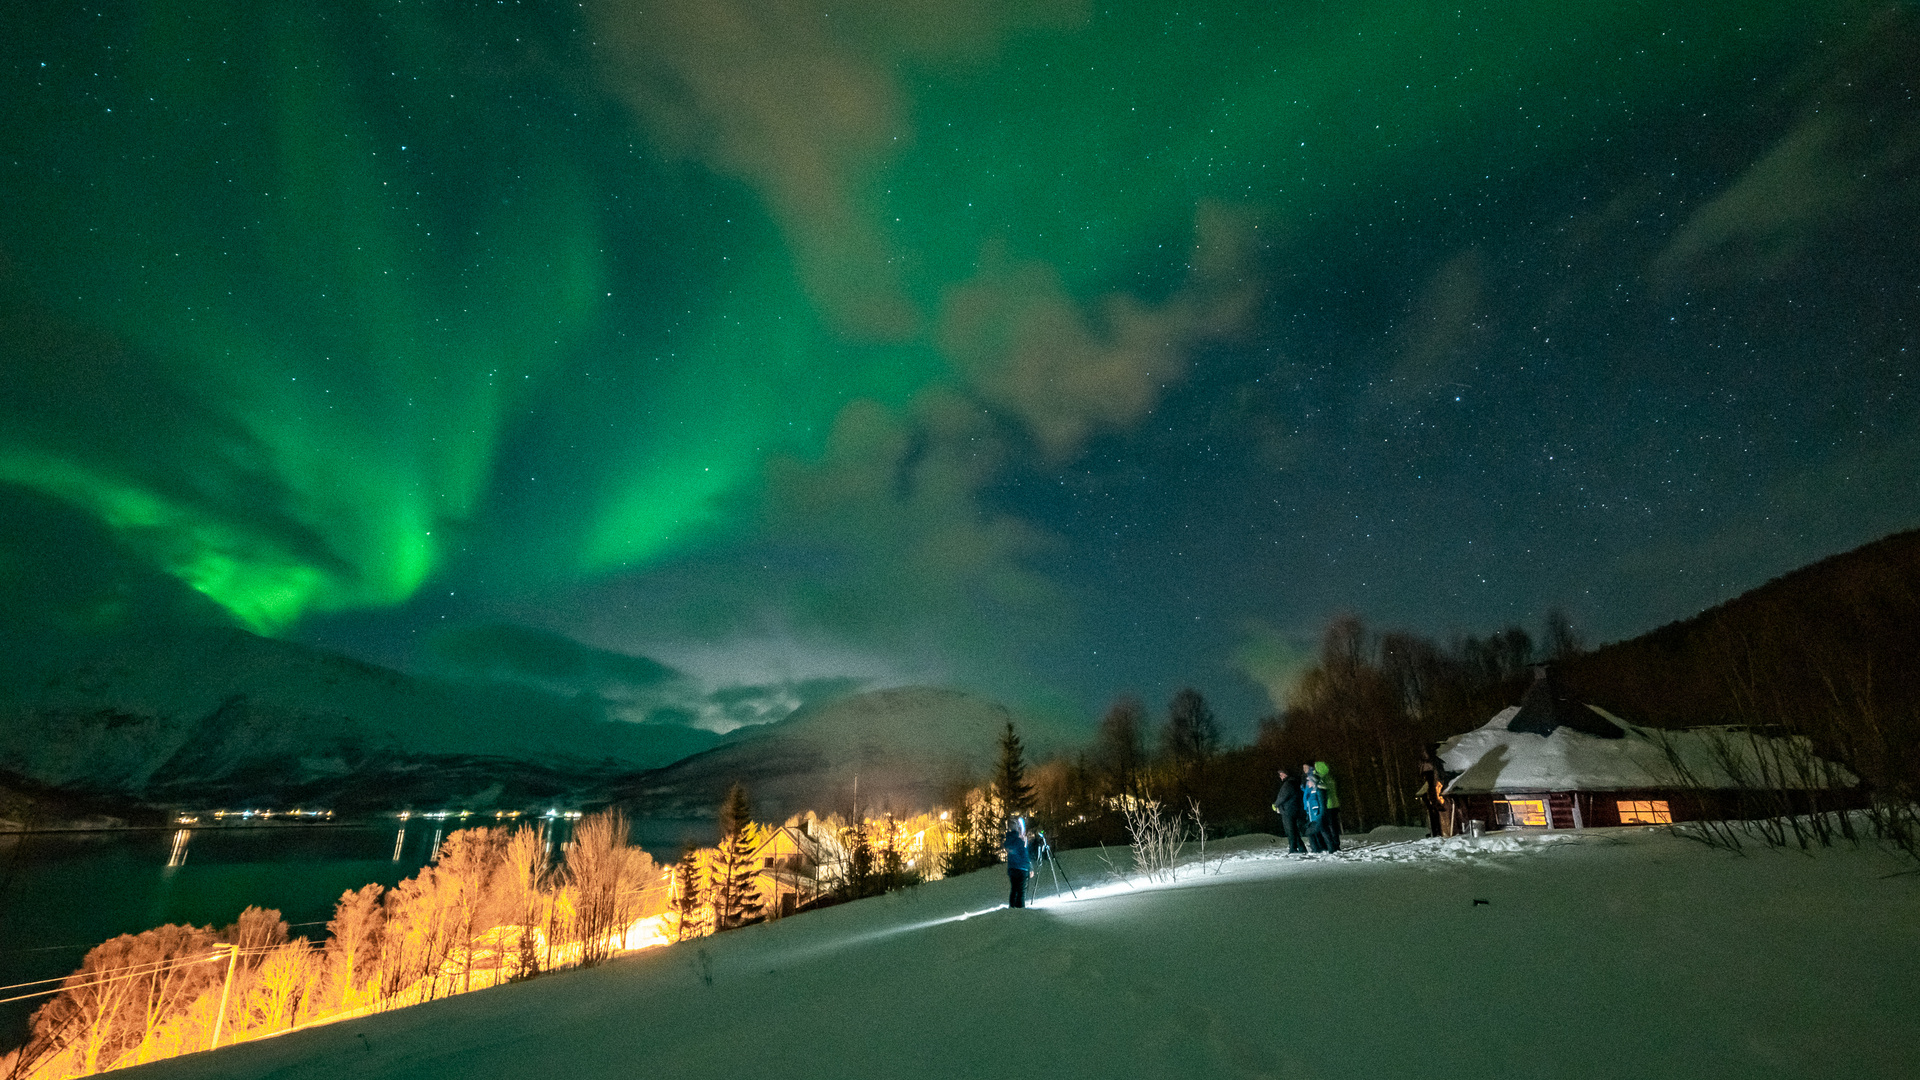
(1555, 763)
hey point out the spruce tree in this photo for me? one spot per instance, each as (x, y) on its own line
(860, 874)
(962, 853)
(736, 893)
(1010, 778)
(692, 893)
(893, 859)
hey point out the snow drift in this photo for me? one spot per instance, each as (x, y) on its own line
(1602, 954)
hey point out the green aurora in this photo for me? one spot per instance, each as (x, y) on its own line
(312, 307)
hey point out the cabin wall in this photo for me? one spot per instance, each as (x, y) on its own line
(1603, 809)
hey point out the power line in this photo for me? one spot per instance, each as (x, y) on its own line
(45, 948)
(131, 971)
(103, 982)
(104, 971)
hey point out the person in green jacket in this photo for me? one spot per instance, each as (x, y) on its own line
(1330, 820)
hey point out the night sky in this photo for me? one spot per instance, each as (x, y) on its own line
(1044, 349)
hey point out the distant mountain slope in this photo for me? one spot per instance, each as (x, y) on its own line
(1831, 649)
(223, 713)
(906, 747)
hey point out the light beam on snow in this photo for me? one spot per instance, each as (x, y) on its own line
(879, 935)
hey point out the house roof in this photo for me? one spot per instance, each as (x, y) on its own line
(1547, 706)
(1499, 757)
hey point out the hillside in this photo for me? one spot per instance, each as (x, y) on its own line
(1846, 625)
(1629, 953)
(1827, 650)
(226, 715)
(906, 747)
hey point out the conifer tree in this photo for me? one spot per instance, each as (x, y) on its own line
(962, 853)
(860, 874)
(1010, 778)
(690, 883)
(736, 895)
(893, 859)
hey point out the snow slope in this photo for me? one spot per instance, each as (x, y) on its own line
(1617, 953)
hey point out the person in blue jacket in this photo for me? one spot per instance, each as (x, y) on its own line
(1019, 862)
(1313, 800)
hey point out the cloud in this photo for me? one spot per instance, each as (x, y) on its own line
(542, 658)
(1775, 211)
(1025, 345)
(1273, 660)
(800, 100)
(724, 688)
(1848, 155)
(1441, 332)
(885, 542)
(893, 502)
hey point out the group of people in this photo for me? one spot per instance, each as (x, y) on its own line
(1309, 809)
(1308, 805)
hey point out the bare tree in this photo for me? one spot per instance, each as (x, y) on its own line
(607, 877)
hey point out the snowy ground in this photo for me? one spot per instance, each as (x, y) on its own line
(1618, 953)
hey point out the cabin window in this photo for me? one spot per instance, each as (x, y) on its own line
(1644, 812)
(1525, 812)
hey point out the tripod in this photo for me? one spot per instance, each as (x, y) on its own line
(1053, 867)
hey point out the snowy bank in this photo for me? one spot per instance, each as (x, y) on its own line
(1607, 953)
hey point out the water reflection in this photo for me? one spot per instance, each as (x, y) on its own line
(179, 854)
(399, 840)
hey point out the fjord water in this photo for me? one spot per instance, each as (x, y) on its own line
(63, 893)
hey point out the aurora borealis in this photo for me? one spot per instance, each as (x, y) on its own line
(1051, 349)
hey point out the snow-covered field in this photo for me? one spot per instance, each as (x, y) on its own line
(1616, 954)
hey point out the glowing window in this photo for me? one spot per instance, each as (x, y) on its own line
(1644, 812)
(1527, 812)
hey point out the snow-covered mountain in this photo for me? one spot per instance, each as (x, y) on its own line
(906, 749)
(224, 715)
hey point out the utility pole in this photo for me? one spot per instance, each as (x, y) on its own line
(233, 958)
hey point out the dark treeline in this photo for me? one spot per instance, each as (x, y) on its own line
(1828, 651)
(1371, 705)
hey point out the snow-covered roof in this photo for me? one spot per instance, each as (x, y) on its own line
(1494, 758)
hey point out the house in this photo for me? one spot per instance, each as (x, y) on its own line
(808, 857)
(798, 862)
(1556, 763)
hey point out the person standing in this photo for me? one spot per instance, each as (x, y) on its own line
(1330, 820)
(1433, 791)
(1019, 862)
(1313, 803)
(1292, 816)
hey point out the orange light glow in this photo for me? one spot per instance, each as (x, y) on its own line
(1528, 813)
(1644, 812)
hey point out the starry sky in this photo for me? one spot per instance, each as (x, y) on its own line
(1049, 349)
